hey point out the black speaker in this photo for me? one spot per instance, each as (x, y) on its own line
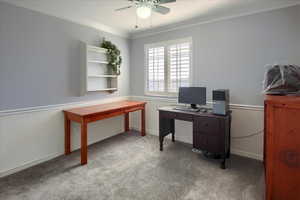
(220, 101)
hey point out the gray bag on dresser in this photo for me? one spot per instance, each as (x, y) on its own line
(282, 79)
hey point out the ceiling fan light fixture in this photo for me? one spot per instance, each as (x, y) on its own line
(143, 11)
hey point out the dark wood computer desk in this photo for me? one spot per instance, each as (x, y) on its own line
(85, 115)
(211, 132)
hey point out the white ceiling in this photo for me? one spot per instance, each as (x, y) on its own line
(100, 14)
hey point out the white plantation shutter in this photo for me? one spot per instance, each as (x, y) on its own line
(179, 69)
(156, 69)
(168, 66)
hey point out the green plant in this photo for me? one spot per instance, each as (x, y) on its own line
(114, 58)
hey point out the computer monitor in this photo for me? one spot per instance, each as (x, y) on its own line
(192, 95)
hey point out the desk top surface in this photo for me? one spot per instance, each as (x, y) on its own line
(103, 108)
(206, 114)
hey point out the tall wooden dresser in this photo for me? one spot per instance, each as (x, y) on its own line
(282, 147)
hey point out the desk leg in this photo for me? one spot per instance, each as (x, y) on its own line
(223, 163)
(83, 143)
(172, 124)
(161, 142)
(126, 122)
(166, 126)
(67, 135)
(143, 127)
(229, 148)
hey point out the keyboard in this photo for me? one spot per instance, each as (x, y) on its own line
(187, 109)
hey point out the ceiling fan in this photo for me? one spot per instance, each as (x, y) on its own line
(144, 8)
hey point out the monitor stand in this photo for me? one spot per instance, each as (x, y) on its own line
(195, 108)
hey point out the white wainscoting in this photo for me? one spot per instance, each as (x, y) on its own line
(34, 135)
(246, 120)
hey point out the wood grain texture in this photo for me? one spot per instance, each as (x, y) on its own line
(83, 148)
(143, 119)
(282, 152)
(106, 108)
(67, 135)
(85, 115)
(126, 122)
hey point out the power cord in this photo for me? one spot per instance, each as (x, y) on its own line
(247, 136)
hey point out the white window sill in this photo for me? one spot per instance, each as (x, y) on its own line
(162, 95)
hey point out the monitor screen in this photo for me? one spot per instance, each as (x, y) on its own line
(192, 95)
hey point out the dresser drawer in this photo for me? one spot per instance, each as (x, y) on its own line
(207, 125)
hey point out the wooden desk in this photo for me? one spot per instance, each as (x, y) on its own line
(85, 115)
(211, 133)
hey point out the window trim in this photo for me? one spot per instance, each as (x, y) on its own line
(166, 44)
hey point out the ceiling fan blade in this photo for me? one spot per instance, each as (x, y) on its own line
(166, 1)
(161, 9)
(124, 8)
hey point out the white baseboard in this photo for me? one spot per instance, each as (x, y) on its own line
(44, 159)
(247, 154)
(30, 136)
(28, 143)
(29, 164)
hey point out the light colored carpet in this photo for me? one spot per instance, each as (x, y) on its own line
(129, 166)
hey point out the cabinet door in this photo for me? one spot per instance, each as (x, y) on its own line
(200, 141)
(285, 154)
(208, 135)
(210, 143)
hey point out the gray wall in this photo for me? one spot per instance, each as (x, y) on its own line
(39, 59)
(39, 55)
(231, 53)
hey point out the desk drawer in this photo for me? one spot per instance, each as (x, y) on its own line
(96, 117)
(206, 125)
(133, 109)
(173, 115)
(167, 115)
(184, 116)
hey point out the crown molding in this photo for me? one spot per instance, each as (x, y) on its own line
(149, 32)
(178, 26)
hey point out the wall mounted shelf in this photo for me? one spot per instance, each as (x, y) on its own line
(97, 61)
(104, 89)
(96, 75)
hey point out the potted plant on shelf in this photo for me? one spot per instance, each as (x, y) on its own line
(114, 58)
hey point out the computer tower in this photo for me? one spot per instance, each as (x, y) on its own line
(220, 101)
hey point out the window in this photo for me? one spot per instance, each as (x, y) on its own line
(168, 66)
